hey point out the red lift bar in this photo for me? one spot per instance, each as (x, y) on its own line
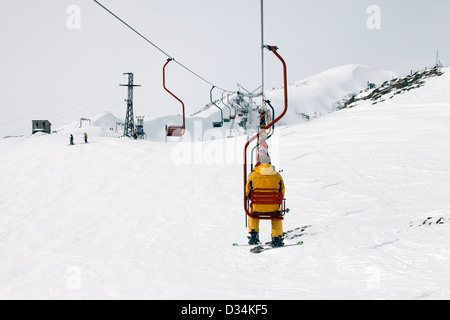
(233, 116)
(270, 196)
(174, 131)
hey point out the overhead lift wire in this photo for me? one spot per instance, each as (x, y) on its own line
(158, 48)
(262, 51)
(58, 104)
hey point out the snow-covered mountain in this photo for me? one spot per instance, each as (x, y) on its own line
(324, 93)
(118, 218)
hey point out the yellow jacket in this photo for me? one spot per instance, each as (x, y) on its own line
(264, 176)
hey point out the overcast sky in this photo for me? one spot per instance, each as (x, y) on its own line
(60, 66)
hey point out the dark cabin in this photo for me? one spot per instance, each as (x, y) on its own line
(41, 126)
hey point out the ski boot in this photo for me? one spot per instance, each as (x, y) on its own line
(277, 242)
(253, 238)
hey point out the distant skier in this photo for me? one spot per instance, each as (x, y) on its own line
(85, 137)
(265, 176)
(71, 139)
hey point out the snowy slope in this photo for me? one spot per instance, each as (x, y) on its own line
(118, 218)
(323, 93)
(104, 124)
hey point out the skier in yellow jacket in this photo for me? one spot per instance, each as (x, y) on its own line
(265, 176)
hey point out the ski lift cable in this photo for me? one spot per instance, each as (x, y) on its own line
(58, 104)
(158, 48)
(262, 50)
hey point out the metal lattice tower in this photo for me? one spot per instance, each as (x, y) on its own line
(129, 119)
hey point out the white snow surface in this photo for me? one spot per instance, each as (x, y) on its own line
(321, 94)
(125, 219)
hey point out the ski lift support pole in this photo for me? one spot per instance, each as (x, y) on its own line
(216, 123)
(164, 85)
(265, 138)
(223, 102)
(262, 51)
(274, 50)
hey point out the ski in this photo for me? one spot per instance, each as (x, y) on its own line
(258, 248)
(261, 248)
(249, 245)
